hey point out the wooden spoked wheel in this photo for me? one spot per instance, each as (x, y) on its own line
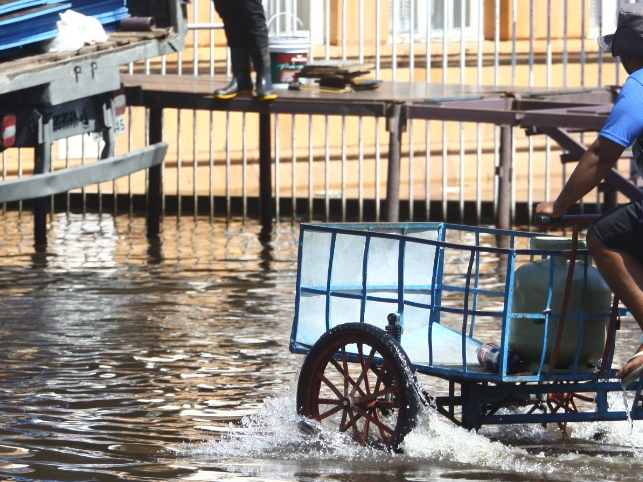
(357, 379)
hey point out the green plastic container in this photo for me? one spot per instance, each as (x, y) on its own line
(530, 296)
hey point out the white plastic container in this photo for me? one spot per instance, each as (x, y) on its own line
(530, 296)
(288, 55)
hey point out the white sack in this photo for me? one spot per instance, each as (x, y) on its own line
(76, 30)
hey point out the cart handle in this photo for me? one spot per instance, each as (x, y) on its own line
(543, 220)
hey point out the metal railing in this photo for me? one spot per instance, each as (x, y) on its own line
(329, 167)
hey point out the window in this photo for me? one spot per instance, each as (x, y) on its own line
(603, 15)
(431, 19)
(296, 18)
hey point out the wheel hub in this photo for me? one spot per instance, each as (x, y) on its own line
(352, 402)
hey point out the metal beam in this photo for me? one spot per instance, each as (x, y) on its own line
(576, 149)
(47, 184)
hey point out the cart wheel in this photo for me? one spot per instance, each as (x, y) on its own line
(358, 379)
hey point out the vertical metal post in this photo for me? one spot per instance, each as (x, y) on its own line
(472, 396)
(155, 176)
(42, 165)
(40, 205)
(503, 220)
(265, 173)
(395, 125)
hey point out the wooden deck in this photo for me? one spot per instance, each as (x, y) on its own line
(554, 113)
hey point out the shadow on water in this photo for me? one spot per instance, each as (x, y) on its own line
(130, 359)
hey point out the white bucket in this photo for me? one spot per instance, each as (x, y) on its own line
(287, 57)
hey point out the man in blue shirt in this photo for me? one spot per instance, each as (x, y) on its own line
(615, 240)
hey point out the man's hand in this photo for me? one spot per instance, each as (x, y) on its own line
(549, 209)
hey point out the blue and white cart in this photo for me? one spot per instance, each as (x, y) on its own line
(378, 304)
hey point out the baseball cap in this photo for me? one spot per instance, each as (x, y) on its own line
(628, 37)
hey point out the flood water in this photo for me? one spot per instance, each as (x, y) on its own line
(126, 360)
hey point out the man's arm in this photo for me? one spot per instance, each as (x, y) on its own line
(590, 170)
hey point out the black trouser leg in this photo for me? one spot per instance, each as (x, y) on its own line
(244, 22)
(245, 26)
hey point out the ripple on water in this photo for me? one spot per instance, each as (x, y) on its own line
(9, 451)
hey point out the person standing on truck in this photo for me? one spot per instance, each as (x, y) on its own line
(244, 23)
(615, 240)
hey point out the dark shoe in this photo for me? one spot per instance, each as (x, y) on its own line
(241, 82)
(263, 81)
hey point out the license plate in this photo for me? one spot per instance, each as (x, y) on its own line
(119, 103)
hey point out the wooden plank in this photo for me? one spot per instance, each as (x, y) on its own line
(39, 69)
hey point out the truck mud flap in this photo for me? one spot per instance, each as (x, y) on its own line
(63, 180)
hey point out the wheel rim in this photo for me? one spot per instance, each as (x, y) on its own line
(356, 390)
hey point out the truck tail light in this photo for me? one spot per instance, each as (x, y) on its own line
(7, 130)
(120, 101)
(119, 104)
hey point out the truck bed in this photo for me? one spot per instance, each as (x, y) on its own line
(51, 78)
(48, 96)
(121, 48)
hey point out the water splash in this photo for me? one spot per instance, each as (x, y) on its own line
(596, 451)
(276, 431)
(625, 433)
(438, 439)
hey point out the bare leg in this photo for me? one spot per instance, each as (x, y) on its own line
(624, 275)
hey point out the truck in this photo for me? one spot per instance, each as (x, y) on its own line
(47, 96)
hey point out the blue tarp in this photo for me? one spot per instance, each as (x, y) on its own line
(27, 22)
(19, 27)
(8, 6)
(108, 12)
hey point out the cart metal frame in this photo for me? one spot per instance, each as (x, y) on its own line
(416, 279)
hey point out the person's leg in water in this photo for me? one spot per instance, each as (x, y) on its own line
(623, 272)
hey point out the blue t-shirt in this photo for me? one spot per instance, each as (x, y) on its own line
(625, 123)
